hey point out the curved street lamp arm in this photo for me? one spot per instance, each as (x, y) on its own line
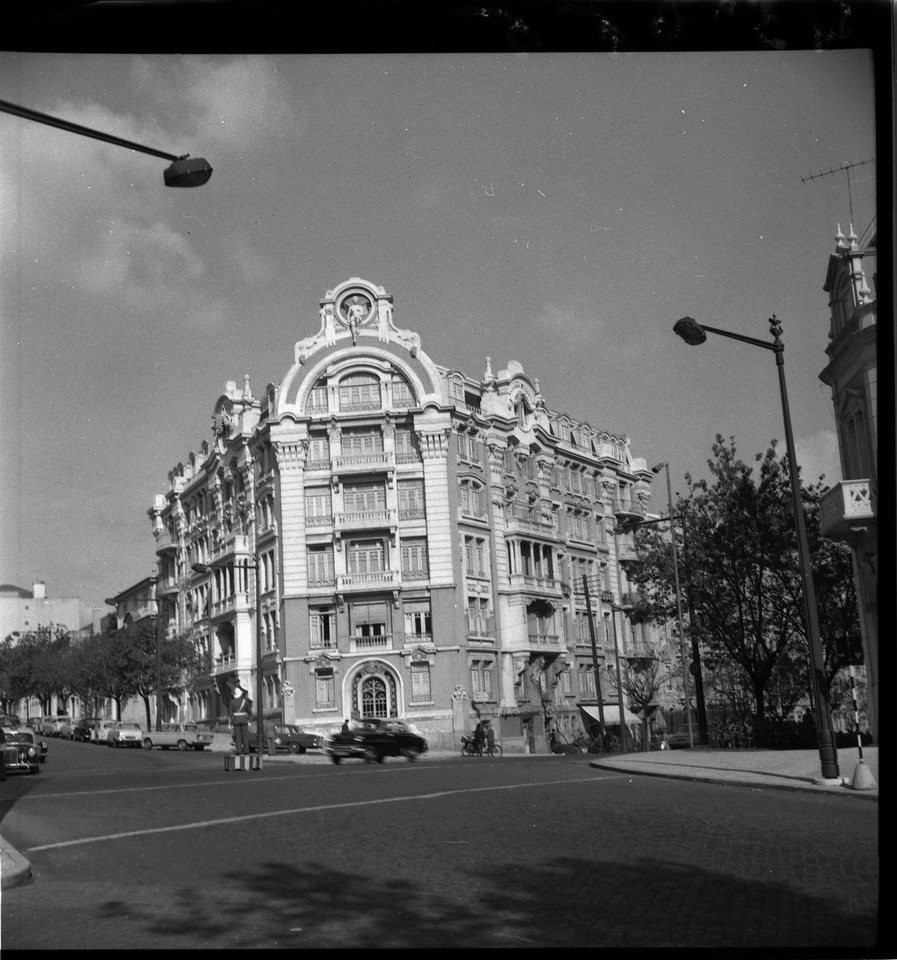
(28, 114)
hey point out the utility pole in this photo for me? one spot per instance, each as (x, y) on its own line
(585, 587)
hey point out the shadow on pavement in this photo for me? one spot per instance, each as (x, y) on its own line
(566, 902)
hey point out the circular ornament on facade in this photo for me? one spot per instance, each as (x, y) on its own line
(354, 309)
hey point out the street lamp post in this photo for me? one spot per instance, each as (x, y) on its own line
(622, 709)
(693, 334)
(183, 172)
(585, 587)
(259, 719)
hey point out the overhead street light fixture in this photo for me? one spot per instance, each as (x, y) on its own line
(694, 333)
(183, 172)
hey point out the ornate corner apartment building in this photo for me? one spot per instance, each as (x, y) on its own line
(849, 511)
(420, 538)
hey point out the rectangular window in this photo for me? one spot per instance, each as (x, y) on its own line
(367, 556)
(324, 688)
(411, 499)
(364, 497)
(405, 449)
(414, 559)
(481, 678)
(318, 452)
(359, 392)
(320, 565)
(317, 506)
(322, 628)
(418, 623)
(369, 619)
(586, 681)
(317, 400)
(420, 681)
(362, 443)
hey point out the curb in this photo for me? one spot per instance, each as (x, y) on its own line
(809, 786)
(15, 870)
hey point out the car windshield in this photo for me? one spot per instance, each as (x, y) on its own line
(22, 736)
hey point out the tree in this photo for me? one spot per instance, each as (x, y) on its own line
(641, 681)
(741, 573)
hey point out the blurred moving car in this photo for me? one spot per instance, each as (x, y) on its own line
(125, 734)
(286, 736)
(184, 736)
(21, 752)
(83, 728)
(373, 739)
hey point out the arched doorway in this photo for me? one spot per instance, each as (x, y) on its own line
(374, 691)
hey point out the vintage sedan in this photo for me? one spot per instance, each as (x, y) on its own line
(372, 739)
(83, 729)
(22, 752)
(100, 733)
(125, 734)
(183, 736)
(288, 737)
(67, 729)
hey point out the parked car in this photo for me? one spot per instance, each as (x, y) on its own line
(100, 733)
(125, 734)
(674, 741)
(83, 728)
(287, 736)
(21, 752)
(184, 736)
(46, 727)
(373, 739)
(67, 728)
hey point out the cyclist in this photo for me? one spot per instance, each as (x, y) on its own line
(490, 737)
(479, 737)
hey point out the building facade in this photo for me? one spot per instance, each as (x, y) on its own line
(849, 511)
(396, 538)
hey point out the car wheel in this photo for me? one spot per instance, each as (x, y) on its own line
(198, 747)
(371, 755)
(336, 759)
(147, 743)
(182, 744)
(411, 753)
(295, 748)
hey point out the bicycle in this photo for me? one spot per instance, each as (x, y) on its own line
(470, 748)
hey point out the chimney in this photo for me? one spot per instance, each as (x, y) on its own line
(39, 590)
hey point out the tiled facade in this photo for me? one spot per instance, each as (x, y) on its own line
(849, 511)
(420, 536)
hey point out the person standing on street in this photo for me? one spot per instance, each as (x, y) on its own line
(239, 712)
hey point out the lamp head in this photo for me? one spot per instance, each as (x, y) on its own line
(659, 467)
(690, 331)
(185, 172)
(110, 602)
(200, 567)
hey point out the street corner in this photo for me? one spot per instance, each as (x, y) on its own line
(15, 869)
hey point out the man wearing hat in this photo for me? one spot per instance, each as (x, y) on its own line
(239, 712)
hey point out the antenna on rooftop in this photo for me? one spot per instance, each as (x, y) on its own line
(846, 167)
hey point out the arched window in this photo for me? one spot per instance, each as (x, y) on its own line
(402, 394)
(374, 699)
(317, 399)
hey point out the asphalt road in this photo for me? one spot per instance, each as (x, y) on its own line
(131, 849)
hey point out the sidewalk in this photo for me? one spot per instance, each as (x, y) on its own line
(775, 769)
(770, 769)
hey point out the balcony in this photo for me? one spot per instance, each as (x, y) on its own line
(414, 639)
(166, 586)
(166, 543)
(848, 510)
(381, 642)
(365, 520)
(317, 410)
(481, 629)
(322, 643)
(628, 600)
(319, 521)
(532, 525)
(376, 580)
(363, 462)
(224, 663)
(628, 510)
(627, 553)
(233, 544)
(230, 604)
(531, 584)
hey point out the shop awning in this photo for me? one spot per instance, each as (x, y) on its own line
(611, 714)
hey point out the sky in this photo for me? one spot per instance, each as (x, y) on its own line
(557, 209)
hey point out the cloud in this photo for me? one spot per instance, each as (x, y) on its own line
(560, 323)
